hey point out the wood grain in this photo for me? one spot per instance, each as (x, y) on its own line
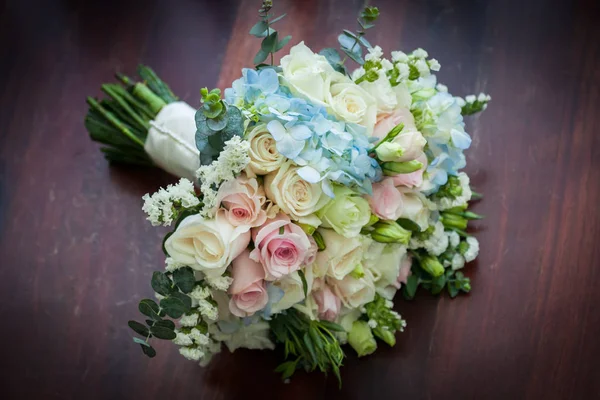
(76, 254)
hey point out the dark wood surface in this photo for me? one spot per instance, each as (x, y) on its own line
(76, 254)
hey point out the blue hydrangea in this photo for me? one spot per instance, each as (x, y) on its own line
(327, 150)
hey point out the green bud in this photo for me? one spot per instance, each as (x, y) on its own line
(463, 247)
(432, 266)
(370, 14)
(390, 232)
(454, 221)
(361, 338)
(372, 221)
(319, 240)
(423, 94)
(386, 335)
(308, 229)
(358, 272)
(395, 168)
(389, 151)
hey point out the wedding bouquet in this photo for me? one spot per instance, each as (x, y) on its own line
(320, 193)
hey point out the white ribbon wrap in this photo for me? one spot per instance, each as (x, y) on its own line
(171, 141)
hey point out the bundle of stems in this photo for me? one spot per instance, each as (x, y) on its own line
(121, 121)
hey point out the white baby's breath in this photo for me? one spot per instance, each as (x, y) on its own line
(182, 339)
(375, 54)
(191, 353)
(159, 206)
(399, 57)
(200, 293)
(189, 320)
(198, 337)
(221, 283)
(372, 323)
(172, 265)
(208, 310)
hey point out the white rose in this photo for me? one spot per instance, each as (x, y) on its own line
(307, 74)
(414, 207)
(341, 255)
(383, 93)
(354, 292)
(293, 290)
(207, 245)
(351, 103)
(384, 263)
(296, 197)
(264, 157)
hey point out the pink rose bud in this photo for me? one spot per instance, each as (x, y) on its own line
(328, 304)
(248, 291)
(281, 247)
(386, 201)
(242, 202)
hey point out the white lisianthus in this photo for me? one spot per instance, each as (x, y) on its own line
(347, 213)
(264, 157)
(351, 103)
(293, 290)
(346, 320)
(384, 263)
(457, 262)
(354, 292)
(307, 74)
(296, 197)
(383, 93)
(207, 245)
(473, 249)
(435, 244)
(414, 207)
(341, 255)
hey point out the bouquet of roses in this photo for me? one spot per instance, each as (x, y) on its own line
(319, 195)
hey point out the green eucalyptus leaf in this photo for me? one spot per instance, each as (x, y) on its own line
(148, 350)
(361, 38)
(165, 323)
(138, 328)
(217, 123)
(173, 307)
(150, 322)
(184, 279)
(162, 332)
(260, 56)
(334, 59)
(277, 19)
(185, 299)
(141, 341)
(149, 308)
(283, 42)
(161, 283)
(304, 283)
(260, 29)
(269, 44)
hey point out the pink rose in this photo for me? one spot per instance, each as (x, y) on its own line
(280, 246)
(414, 179)
(385, 125)
(328, 304)
(248, 291)
(386, 201)
(404, 271)
(242, 202)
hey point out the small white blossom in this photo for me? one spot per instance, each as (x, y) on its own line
(435, 244)
(484, 97)
(453, 238)
(189, 320)
(399, 57)
(386, 65)
(208, 310)
(404, 72)
(420, 53)
(441, 87)
(358, 73)
(172, 265)
(375, 53)
(182, 339)
(389, 304)
(470, 98)
(422, 67)
(221, 283)
(434, 65)
(198, 337)
(372, 323)
(159, 206)
(402, 325)
(460, 101)
(458, 262)
(473, 250)
(200, 293)
(233, 159)
(191, 353)
(445, 203)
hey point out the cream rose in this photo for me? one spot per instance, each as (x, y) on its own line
(296, 197)
(354, 292)
(242, 202)
(264, 157)
(207, 245)
(307, 74)
(293, 290)
(351, 103)
(341, 255)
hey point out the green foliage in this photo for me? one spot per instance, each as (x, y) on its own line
(388, 321)
(352, 43)
(304, 283)
(307, 344)
(262, 29)
(334, 59)
(184, 279)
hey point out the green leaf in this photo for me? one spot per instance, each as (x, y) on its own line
(184, 279)
(141, 341)
(437, 284)
(138, 328)
(332, 326)
(260, 29)
(161, 283)
(174, 307)
(148, 350)
(283, 42)
(408, 224)
(277, 19)
(410, 289)
(165, 323)
(217, 123)
(260, 56)
(361, 38)
(162, 332)
(185, 299)
(269, 43)
(304, 283)
(334, 59)
(452, 290)
(311, 349)
(149, 308)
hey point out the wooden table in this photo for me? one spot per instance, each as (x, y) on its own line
(76, 254)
